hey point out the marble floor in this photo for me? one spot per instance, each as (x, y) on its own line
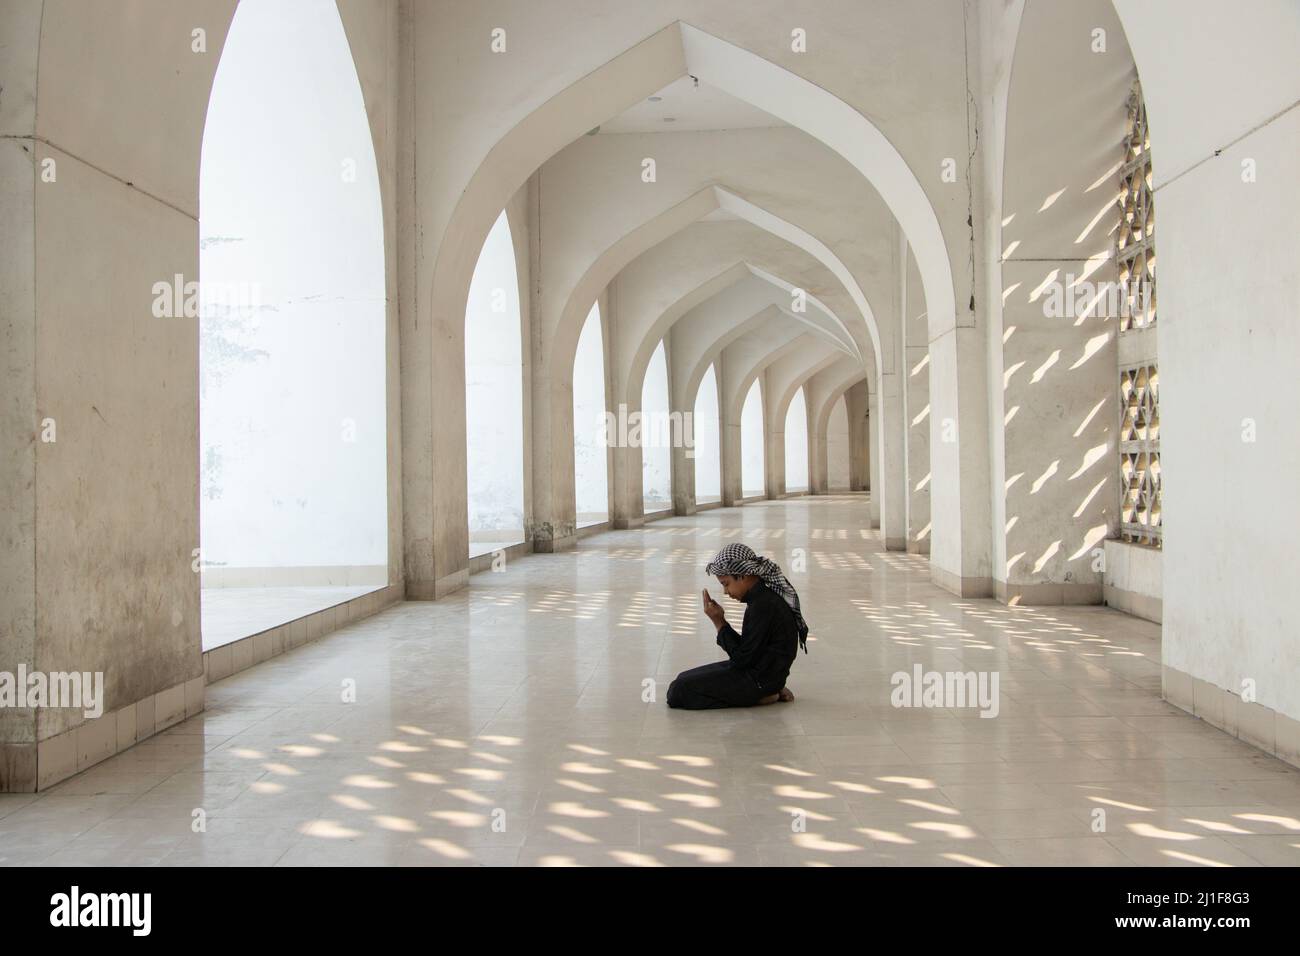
(521, 721)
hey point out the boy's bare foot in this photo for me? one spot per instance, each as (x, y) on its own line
(785, 696)
(769, 699)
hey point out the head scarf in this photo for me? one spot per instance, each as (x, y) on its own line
(739, 560)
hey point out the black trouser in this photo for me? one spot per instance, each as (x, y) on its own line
(712, 686)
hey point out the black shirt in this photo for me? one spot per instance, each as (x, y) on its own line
(768, 642)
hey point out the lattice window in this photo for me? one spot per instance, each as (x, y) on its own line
(1135, 252)
(1139, 454)
(1139, 385)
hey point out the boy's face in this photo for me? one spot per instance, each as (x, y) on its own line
(734, 587)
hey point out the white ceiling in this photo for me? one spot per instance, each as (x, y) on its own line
(692, 108)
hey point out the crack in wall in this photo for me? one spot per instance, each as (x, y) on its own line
(972, 143)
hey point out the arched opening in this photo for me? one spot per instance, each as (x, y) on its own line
(656, 436)
(494, 383)
(708, 448)
(752, 454)
(837, 447)
(293, 462)
(590, 448)
(796, 444)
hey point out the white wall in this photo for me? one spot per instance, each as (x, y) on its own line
(494, 435)
(708, 448)
(752, 458)
(1220, 85)
(292, 341)
(590, 456)
(796, 444)
(1133, 579)
(1052, 215)
(656, 447)
(837, 447)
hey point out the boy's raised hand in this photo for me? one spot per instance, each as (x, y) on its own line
(713, 610)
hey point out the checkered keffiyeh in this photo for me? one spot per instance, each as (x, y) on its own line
(738, 560)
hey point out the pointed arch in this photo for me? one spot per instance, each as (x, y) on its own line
(292, 338)
(590, 405)
(707, 431)
(753, 450)
(796, 445)
(656, 436)
(494, 434)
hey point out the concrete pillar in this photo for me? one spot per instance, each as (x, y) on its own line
(960, 497)
(891, 491)
(731, 467)
(875, 480)
(626, 496)
(774, 441)
(857, 404)
(774, 482)
(960, 555)
(552, 522)
(683, 466)
(818, 465)
(683, 481)
(729, 427)
(435, 527)
(553, 518)
(19, 418)
(99, 395)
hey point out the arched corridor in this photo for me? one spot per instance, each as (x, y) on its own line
(381, 377)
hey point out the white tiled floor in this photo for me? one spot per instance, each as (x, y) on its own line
(519, 702)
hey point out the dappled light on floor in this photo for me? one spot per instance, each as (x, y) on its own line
(521, 721)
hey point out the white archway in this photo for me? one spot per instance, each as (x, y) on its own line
(796, 444)
(708, 438)
(837, 447)
(656, 436)
(292, 336)
(494, 432)
(753, 451)
(590, 449)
